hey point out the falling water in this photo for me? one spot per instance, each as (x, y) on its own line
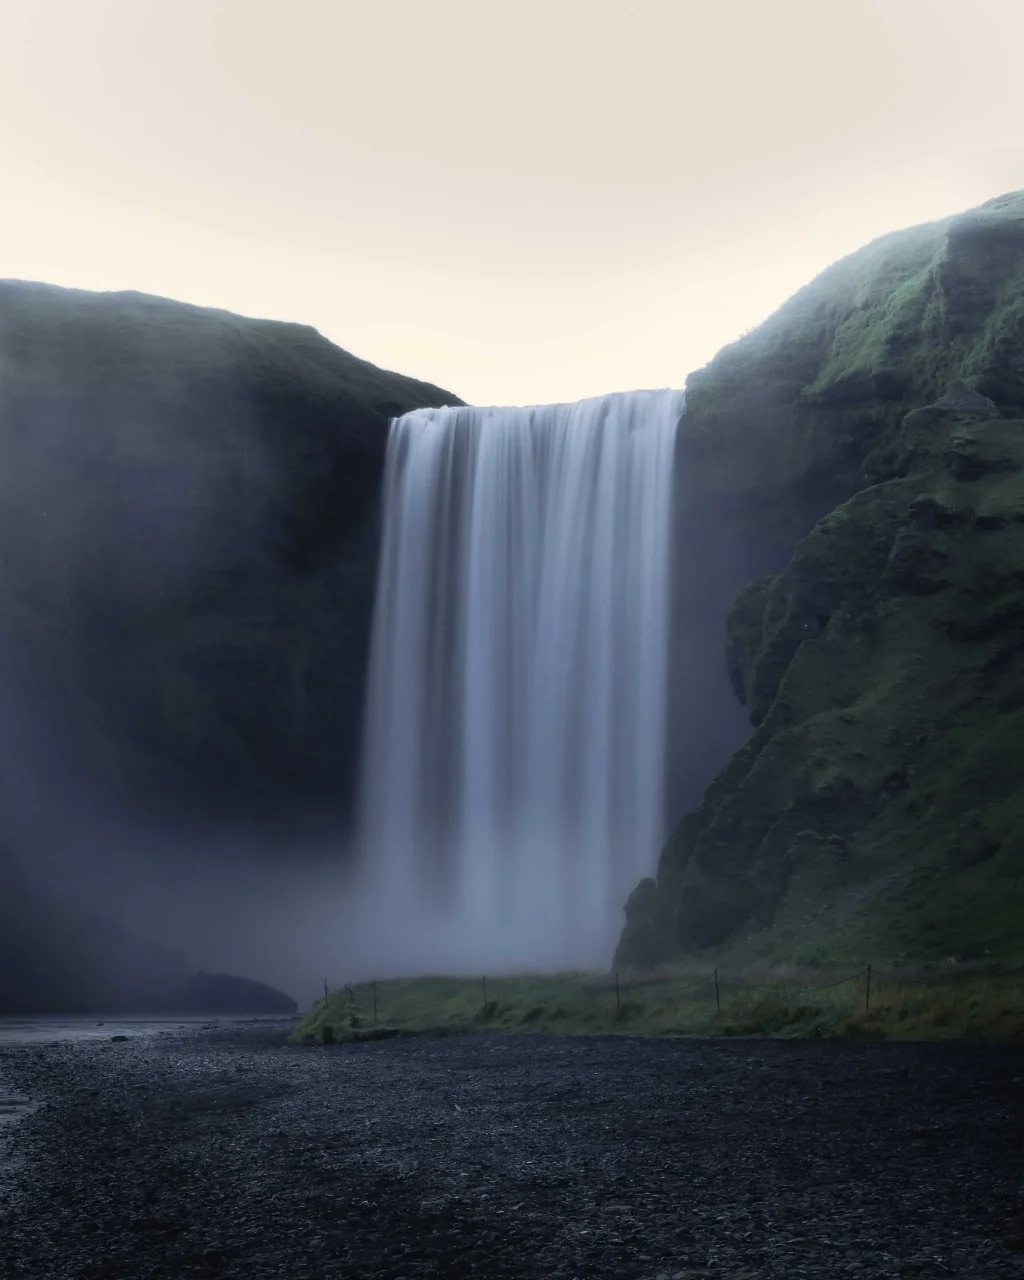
(512, 782)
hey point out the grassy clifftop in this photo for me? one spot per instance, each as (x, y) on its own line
(811, 392)
(74, 340)
(876, 811)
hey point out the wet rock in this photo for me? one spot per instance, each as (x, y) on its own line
(704, 920)
(915, 564)
(966, 402)
(928, 512)
(969, 459)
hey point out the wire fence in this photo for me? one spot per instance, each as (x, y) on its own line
(378, 1000)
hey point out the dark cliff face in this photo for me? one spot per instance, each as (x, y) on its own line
(188, 543)
(188, 520)
(859, 457)
(57, 958)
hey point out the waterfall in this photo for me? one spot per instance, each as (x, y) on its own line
(513, 755)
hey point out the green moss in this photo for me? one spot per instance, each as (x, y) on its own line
(875, 811)
(883, 726)
(805, 398)
(80, 343)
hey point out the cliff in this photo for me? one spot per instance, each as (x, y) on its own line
(188, 540)
(188, 544)
(870, 433)
(59, 958)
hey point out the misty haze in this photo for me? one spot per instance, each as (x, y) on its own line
(511, 640)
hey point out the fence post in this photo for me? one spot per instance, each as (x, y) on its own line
(617, 991)
(375, 999)
(718, 1001)
(867, 993)
(485, 989)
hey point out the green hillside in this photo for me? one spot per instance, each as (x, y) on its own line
(875, 811)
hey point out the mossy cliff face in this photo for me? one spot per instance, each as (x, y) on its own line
(189, 535)
(876, 811)
(806, 397)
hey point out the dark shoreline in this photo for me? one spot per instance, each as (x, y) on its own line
(50, 1028)
(230, 1153)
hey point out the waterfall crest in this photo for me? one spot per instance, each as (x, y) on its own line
(513, 757)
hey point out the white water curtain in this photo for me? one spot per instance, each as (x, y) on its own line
(513, 759)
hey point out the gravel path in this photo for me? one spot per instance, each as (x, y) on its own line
(227, 1154)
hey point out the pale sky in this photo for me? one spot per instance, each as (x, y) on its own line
(521, 200)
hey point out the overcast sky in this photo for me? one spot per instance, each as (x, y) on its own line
(521, 200)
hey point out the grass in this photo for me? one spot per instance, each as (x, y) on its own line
(775, 1002)
(74, 342)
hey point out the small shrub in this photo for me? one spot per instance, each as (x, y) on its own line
(629, 1010)
(487, 1013)
(861, 1025)
(768, 1015)
(941, 1015)
(352, 1014)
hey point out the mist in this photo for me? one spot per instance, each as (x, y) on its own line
(268, 907)
(189, 539)
(162, 775)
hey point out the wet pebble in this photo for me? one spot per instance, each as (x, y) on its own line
(229, 1154)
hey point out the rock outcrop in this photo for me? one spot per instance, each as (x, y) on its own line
(56, 958)
(222, 993)
(875, 424)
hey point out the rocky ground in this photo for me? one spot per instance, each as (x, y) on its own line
(230, 1154)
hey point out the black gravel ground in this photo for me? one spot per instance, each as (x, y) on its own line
(228, 1154)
